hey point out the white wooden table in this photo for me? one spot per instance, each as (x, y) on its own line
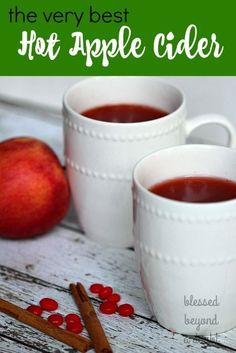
(33, 269)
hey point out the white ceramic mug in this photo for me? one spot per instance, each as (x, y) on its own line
(187, 251)
(100, 156)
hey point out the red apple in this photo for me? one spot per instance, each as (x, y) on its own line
(34, 191)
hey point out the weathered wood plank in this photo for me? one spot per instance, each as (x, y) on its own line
(9, 346)
(20, 292)
(29, 337)
(136, 335)
(64, 256)
(227, 339)
(85, 261)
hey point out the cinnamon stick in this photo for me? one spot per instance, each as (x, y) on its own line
(91, 321)
(75, 341)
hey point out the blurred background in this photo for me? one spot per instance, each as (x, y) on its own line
(204, 95)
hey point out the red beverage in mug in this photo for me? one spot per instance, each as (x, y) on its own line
(124, 113)
(196, 189)
(184, 201)
(109, 124)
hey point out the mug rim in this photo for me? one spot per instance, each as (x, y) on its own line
(181, 204)
(82, 117)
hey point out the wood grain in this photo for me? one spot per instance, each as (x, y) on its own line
(64, 256)
(138, 335)
(21, 314)
(7, 345)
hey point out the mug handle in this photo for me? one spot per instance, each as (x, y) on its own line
(206, 119)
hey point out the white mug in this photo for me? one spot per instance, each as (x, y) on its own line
(100, 156)
(187, 251)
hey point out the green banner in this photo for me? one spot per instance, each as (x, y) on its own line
(117, 37)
